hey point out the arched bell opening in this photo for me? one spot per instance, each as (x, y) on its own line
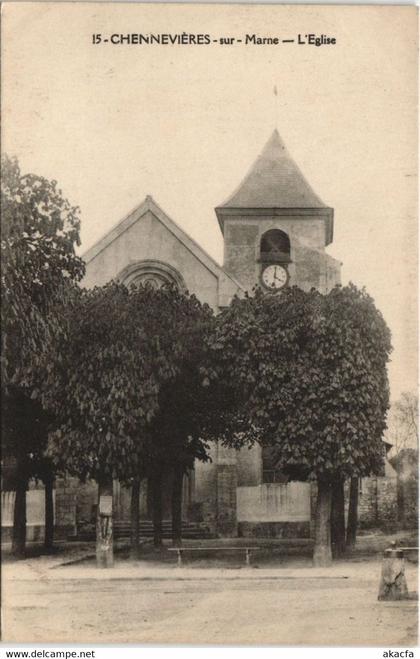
(275, 247)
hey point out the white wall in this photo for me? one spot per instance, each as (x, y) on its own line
(274, 502)
(35, 508)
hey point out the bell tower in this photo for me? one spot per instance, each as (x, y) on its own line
(276, 228)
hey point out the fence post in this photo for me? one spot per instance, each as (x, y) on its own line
(393, 585)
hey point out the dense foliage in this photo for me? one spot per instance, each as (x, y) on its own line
(123, 377)
(310, 374)
(24, 436)
(39, 232)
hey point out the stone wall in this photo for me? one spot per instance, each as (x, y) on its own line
(310, 266)
(35, 514)
(406, 465)
(86, 505)
(274, 502)
(65, 507)
(408, 498)
(204, 507)
(214, 503)
(226, 500)
(65, 497)
(377, 503)
(240, 256)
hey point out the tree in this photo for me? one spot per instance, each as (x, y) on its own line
(24, 441)
(352, 518)
(338, 525)
(310, 376)
(403, 435)
(403, 429)
(115, 358)
(101, 381)
(39, 232)
(135, 518)
(193, 408)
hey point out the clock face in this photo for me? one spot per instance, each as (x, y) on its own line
(274, 277)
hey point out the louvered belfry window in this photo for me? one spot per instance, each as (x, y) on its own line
(275, 246)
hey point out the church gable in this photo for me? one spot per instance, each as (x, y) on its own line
(148, 243)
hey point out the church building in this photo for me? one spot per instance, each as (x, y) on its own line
(275, 230)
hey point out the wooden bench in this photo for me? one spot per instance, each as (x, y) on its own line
(181, 550)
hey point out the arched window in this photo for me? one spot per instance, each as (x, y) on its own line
(153, 273)
(275, 246)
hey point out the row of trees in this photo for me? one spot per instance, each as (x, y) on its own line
(122, 377)
(133, 383)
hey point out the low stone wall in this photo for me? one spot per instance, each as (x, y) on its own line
(226, 500)
(86, 504)
(274, 502)
(408, 497)
(64, 513)
(35, 514)
(34, 533)
(377, 503)
(215, 500)
(65, 506)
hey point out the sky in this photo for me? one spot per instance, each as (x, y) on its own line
(113, 123)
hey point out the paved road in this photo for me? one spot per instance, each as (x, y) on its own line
(249, 607)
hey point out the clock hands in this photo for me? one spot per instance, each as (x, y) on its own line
(275, 275)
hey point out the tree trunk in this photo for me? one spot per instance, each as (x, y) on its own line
(104, 535)
(177, 505)
(135, 519)
(338, 524)
(157, 506)
(49, 514)
(19, 520)
(400, 503)
(322, 548)
(352, 516)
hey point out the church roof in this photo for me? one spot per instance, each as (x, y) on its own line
(276, 183)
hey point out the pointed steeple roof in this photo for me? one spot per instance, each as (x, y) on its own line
(274, 181)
